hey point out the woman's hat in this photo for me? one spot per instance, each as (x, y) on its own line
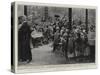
(57, 16)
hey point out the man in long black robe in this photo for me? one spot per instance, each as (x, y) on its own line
(24, 43)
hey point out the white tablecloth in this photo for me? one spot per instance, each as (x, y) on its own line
(37, 35)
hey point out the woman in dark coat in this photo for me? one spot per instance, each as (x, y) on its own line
(24, 43)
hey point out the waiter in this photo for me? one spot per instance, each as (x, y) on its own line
(56, 39)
